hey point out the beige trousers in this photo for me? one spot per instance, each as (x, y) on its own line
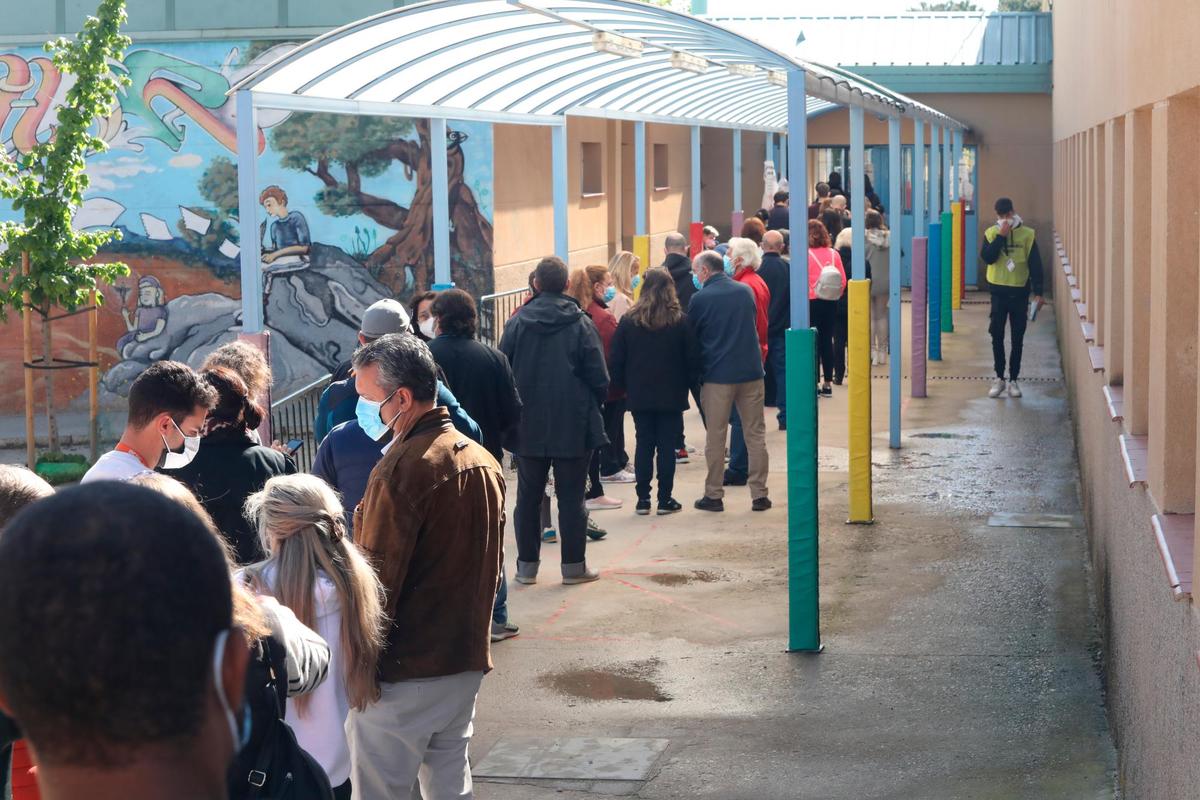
(719, 399)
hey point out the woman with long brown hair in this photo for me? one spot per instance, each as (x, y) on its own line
(656, 360)
(314, 569)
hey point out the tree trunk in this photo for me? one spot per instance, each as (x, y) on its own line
(48, 360)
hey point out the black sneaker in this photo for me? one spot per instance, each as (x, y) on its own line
(642, 508)
(734, 478)
(709, 504)
(826, 390)
(669, 506)
(760, 504)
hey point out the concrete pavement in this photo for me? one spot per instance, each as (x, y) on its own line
(960, 658)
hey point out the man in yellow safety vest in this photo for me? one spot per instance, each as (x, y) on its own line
(1014, 273)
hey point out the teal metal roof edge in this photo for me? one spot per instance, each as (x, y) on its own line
(981, 78)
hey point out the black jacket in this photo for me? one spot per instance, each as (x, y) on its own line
(482, 380)
(228, 468)
(558, 363)
(774, 272)
(655, 368)
(777, 218)
(680, 267)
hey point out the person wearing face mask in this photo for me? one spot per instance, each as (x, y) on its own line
(626, 271)
(162, 715)
(338, 401)
(168, 404)
(745, 258)
(1014, 273)
(593, 289)
(432, 523)
(420, 309)
(723, 314)
(680, 266)
(230, 465)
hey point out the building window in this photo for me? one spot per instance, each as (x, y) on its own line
(593, 169)
(661, 175)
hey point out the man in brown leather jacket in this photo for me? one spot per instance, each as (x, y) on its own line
(432, 522)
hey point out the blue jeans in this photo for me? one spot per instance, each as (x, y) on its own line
(739, 456)
(500, 607)
(777, 364)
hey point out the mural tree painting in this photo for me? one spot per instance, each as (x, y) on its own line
(342, 151)
(44, 263)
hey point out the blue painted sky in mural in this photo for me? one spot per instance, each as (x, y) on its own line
(174, 121)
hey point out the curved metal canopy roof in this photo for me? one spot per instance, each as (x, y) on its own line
(536, 61)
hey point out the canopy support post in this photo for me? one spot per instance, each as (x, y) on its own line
(249, 236)
(558, 157)
(441, 204)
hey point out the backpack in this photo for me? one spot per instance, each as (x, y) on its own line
(829, 282)
(273, 766)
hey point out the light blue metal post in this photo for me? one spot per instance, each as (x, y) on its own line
(639, 179)
(769, 153)
(946, 168)
(935, 180)
(251, 238)
(895, 344)
(737, 172)
(918, 179)
(957, 162)
(858, 197)
(797, 144)
(558, 157)
(441, 205)
(696, 213)
(783, 162)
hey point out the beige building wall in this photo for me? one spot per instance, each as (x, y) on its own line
(599, 223)
(1126, 122)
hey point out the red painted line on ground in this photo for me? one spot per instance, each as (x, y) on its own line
(671, 602)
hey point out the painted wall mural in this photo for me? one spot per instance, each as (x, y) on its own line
(344, 212)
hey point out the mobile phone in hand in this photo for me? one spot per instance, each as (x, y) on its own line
(293, 445)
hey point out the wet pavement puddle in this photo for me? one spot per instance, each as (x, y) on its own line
(632, 681)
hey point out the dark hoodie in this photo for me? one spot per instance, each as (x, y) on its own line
(558, 363)
(680, 267)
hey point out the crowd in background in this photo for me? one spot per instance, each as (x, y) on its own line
(332, 629)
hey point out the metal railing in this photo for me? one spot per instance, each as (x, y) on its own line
(293, 417)
(494, 311)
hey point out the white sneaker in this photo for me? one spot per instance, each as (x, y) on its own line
(997, 388)
(624, 476)
(1014, 389)
(603, 503)
(874, 357)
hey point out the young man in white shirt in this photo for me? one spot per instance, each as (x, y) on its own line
(168, 404)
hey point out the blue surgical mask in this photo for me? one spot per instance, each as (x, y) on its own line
(238, 740)
(609, 294)
(367, 414)
(636, 282)
(696, 282)
(728, 265)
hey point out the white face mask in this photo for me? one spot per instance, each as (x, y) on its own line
(427, 327)
(173, 460)
(1014, 222)
(239, 740)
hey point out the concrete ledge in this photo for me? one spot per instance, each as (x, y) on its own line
(1089, 330)
(1072, 281)
(1173, 533)
(1096, 355)
(1081, 308)
(1114, 396)
(1076, 295)
(1134, 453)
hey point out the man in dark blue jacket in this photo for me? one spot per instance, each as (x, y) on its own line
(723, 315)
(340, 398)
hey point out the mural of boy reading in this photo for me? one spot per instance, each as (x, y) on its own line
(290, 240)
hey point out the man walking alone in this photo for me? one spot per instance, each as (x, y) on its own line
(1014, 271)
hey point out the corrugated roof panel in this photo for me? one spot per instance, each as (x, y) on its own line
(916, 39)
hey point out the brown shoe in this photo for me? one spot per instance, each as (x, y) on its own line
(760, 504)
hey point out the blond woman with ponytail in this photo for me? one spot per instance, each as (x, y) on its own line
(314, 569)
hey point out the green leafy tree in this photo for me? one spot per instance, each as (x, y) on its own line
(46, 188)
(1020, 5)
(946, 5)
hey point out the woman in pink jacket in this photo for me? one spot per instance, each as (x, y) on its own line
(822, 302)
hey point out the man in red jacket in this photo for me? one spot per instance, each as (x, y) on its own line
(744, 258)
